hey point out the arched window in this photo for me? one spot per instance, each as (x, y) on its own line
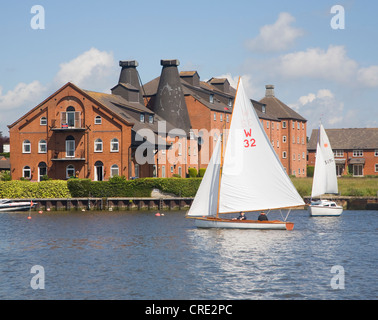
(114, 145)
(98, 120)
(70, 116)
(98, 145)
(70, 146)
(43, 121)
(26, 146)
(114, 170)
(70, 171)
(42, 146)
(26, 172)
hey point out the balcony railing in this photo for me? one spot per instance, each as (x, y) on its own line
(69, 121)
(78, 155)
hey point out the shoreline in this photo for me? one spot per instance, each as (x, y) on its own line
(166, 203)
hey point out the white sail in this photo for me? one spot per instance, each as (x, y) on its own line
(325, 179)
(253, 177)
(206, 200)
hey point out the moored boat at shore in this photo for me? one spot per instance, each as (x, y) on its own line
(8, 205)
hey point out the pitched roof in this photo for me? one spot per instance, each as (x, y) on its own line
(351, 138)
(277, 108)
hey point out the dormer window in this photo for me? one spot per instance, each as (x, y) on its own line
(211, 99)
(150, 119)
(141, 117)
(263, 109)
(230, 102)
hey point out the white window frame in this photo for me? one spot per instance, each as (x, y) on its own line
(25, 170)
(43, 121)
(26, 144)
(70, 148)
(114, 170)
(98, 143)
(69, 168)
(98, 120)
(358, 153)
(114, 145)
(42, 143)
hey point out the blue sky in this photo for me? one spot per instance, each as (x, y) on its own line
(319, 71)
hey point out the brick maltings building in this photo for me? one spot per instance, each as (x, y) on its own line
(160, 129)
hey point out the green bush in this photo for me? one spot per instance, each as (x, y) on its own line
(310, 171)
(201, 172)
(192, 172)
(26, 189)
(120, 187)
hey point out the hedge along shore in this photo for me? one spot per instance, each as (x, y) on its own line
(136, 194)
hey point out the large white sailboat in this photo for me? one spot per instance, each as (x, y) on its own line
(247, 177)
(325, 178)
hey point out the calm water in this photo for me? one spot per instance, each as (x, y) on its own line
(124, 255)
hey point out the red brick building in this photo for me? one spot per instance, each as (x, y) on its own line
(355, 150)
(160, 129)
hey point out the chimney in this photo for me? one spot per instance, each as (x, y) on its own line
(170, 101)
(269, 93)
(128, 84)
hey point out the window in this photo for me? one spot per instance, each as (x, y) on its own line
(230, 102)
(211, 98)
(42, 170)
(284, 139)
(283, 124)
(26, 172)
(114, 170)
(294, 156)
(163, 171)
(171, 169)
(26, 146)
(298, 140)
(278, 143)
(180, 171)
(299, 125)
(42, 146)
(284, 155)
(358, 153)
(70, 116)
(43, 121)
(141, 117)
(278, 126)
(150, 118)
(136, 170)
(293, 124)
(227, 117)
(376, 153)
(272, 125)
(299, 159)
(114, 145)
(98, 120)
(221, 117)
(215, 116)
(70, 146)
(358, 170)
(267, 124)
(179, 148)
(70, 171)
(339, 153)
(376, 167)
(303, 155)
(98, 145)
(263, 109)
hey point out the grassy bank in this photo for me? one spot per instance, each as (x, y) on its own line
(356, 187)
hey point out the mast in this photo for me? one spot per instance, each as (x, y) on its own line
(222, 157)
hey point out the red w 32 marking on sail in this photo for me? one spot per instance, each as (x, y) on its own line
(249, 142)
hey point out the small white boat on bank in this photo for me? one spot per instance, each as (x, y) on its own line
(325, 179)
(8, 205)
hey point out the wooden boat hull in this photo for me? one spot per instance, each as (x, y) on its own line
(243, 224)
(322, 211)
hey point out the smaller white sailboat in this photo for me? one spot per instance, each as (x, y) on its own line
(247, 177)
(325, 178)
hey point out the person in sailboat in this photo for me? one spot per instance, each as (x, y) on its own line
(262, 217)
(242, 216)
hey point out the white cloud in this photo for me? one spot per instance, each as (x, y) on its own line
(276, 37)
(368, 76)
(22, 94)
(86, 69)
(249, 87)
(331, 64)
(323, 106)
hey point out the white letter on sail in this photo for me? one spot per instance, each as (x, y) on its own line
(338, 281)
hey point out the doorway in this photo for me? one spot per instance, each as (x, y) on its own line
(99, 171)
